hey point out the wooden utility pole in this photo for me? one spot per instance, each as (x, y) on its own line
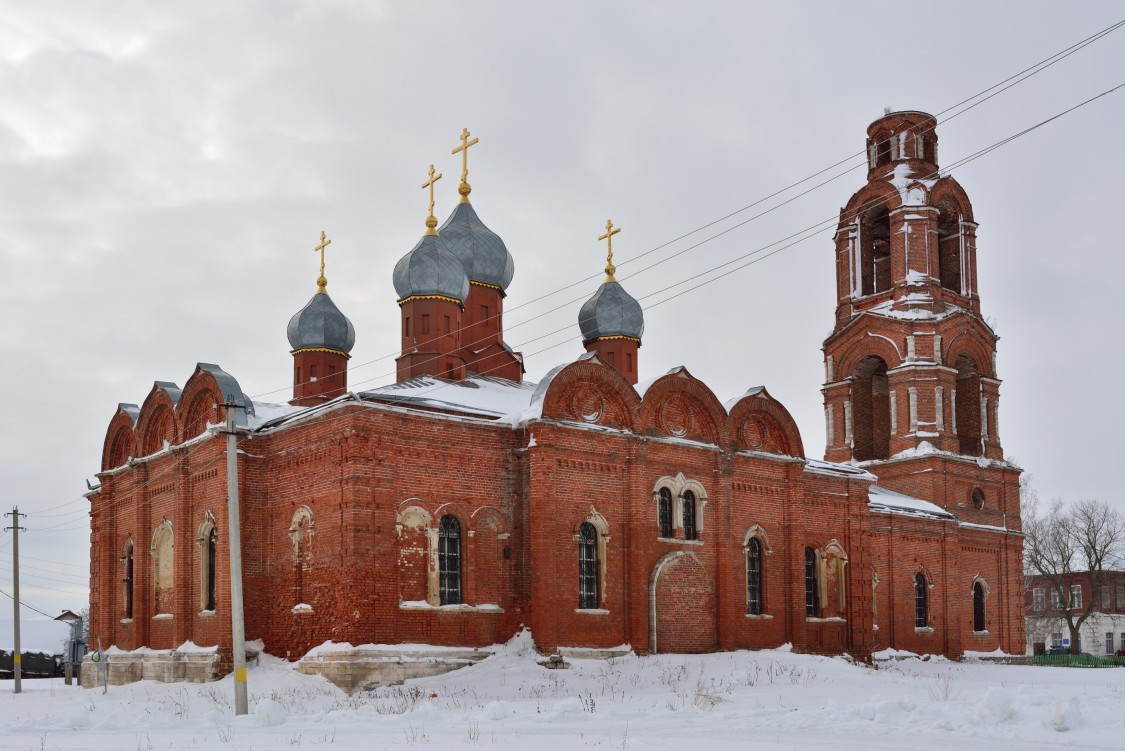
(237, 617)
(16, 667)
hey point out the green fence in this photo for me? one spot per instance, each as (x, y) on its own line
(1079, 661)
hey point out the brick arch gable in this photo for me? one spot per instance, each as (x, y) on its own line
(678, 405)
(591, 392)
(970, 342)
(948, 189)
(757, 415)
(861, 345)
(199, 404)
(867, 198)
(158, 421)
(120, 437)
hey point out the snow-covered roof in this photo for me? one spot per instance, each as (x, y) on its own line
(891, 502)
(823, 467)
(475, 395)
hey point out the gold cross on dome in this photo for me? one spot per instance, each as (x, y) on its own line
(321, 281)
(463, 150)
(610, 231)
(431, 220)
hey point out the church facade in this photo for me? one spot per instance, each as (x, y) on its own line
(462, 503)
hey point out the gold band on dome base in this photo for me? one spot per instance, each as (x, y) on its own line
(486, 284)
(405, 300)
(617, 336)
(345, 355)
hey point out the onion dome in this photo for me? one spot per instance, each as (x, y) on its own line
(321, 325)
(611, 312)
(430, 270)
(485, 257)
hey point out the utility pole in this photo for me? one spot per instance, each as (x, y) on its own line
(237, 617)
(16, 667)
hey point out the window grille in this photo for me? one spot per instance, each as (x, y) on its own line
(754, 577)
(212, 554)
(978, 607)
(1107, 601)
(449, 560)
(587, 567)
(921, 618)
(127, 580)
(1038, 598)
(690, 531)
(812, 597)
(664, 512)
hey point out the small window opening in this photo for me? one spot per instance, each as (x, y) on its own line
(978, 498)
(875, 236)
(754, 577)
(448, 325)
(449, 559)
(664, 512)
(406, 326)
(978, 607)
(691, 531)
(949, 247)
(212, 555)
(812, 594)
(587, 567)
(484, 320)
(921, 615)
(425, 324)
(127, 580)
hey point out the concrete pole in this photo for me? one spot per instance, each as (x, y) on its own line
(16, 657)
(237, 618)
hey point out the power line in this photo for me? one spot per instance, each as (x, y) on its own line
(29, 607)
(995, 90)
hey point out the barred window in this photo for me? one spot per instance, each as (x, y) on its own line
(127, 579)
(1038, 599)
(1107, 601)
(754, 577)
(664, 512)
(212, 554)
(978, 607)
(812, 596)
(449, 560)
(921, 614)
(588, 572)
(690, 531)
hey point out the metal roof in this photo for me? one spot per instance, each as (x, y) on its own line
(481, 251)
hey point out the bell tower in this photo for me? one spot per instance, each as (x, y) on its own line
(910, 366)
(911, 390)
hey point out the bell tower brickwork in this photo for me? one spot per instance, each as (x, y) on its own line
(911, 387)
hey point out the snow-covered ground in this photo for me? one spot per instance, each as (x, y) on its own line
(746, 700)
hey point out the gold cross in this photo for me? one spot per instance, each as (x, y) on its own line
(610, 231)
(321, 281)
(431, 220)
(463, 150)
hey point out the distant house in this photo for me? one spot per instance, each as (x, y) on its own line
(1102, 633)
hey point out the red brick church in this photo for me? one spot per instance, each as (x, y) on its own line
(461, 503)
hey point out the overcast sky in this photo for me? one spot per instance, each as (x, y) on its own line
(165, 170)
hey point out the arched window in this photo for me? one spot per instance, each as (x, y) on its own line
(664, 512)
(812, 586)
(691, 527)
(978, 607)
(588, 572)
(211, 558)
(449, 560)
(949, 246)
(875, 250)
(127, 579)
(968, 406)
(754, 603)
(871, 410)
(921, 614)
